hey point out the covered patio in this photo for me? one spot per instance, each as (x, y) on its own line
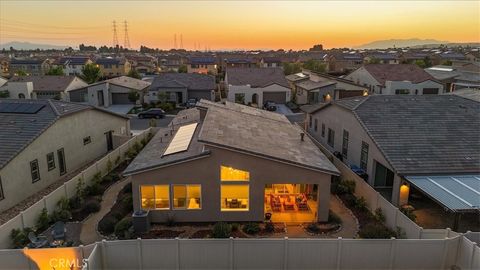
(291, 203)
(458, 195)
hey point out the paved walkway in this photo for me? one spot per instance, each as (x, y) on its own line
(89, 232)
(349, 223)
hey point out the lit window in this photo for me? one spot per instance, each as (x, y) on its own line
(234, 197)
(155, 197)
(186, 197)
(231, 174)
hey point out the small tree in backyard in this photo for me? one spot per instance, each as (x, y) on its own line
(162, 97)
(315, 66)
(134, 74)
(91, 73)
(21, 73)
(55, 71)
(133, 96)
(182, 69)
(43, 221)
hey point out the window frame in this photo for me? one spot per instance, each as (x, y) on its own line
(52, 155)
(231, 183)
(323, 130)
(2, 194)
(187, 197)
(364, 156)
(37, 170)
(331, 137)
(345, 140)
(155, 197)
(315, 127)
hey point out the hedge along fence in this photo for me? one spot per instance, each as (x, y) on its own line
(394, 218)
(28, 217)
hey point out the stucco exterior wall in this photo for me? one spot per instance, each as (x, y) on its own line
(363, 77)
(67, 133)
(206, 171)
(339, 119)
(16, 88)
(249, 91)
(415, 88)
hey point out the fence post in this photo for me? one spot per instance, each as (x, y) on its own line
(65, 188)
(22, 219)
(45, 202)
(285, 252)
(339, 252)
(447, 232)
(177, 261)
(139, 253)
(231, 256)
(104, 254)
(420, 233)
(445, 251)
(393, 250)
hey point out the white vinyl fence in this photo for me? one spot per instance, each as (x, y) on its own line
(28, 218)
(393, 216)
(284, 254)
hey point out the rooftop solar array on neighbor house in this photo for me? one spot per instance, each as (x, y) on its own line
(25, 108)
(455, 192)
(181, 140)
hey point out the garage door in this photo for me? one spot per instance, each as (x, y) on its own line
(121, 98)
(277, 97)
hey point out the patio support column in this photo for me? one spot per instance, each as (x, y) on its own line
(323, 202)
(456, 220)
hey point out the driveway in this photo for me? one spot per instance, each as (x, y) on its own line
(283, 109)
(120, 108)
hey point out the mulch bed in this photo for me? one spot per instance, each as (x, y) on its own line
(202, 234)
(80, 214)
(364, 217)
(120, 209)
(153, 234)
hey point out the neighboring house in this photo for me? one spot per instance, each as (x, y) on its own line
(312, 87)
(48, 139)
(256, 85)
(113, 67)
(444, 57)
(73, 65)
(42, 87)
(171, 62)
(230, 162)
(268, 62)
(143, 64)
(382, 58)
(401, 79)
(179, 87)
(397, 138)
(454, 78)
(34, 67)
(239, 62)
(341, 62)
(473, 56)
(113, 91)
(202, 65)
(4, 67)
(3, 81)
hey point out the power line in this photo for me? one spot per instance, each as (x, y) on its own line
(181, 41)
(126, 43)
(115, 37)
(35, 25)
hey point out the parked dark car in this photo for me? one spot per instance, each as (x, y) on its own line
(270, 106)
(191, 102)
(152, 113)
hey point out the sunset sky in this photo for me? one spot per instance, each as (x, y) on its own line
(238, 25)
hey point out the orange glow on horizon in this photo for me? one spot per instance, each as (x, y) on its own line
(238, 25)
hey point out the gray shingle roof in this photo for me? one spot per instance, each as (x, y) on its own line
(311, 85)
(46, 83)
(422, 134)
(17, 131)
(256, 77)
(192, 81)
(399, 72)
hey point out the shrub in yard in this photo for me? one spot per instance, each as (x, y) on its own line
(143, 142)
(107, 224)
(350, 200)
(269, 227)
(74, 203)
(334, 218)
(379, 216)
(376, 231)
(361, 204)
(222, 230)
(122, 227)
(92, 206)
(251, 228)
(128, 188)
(62, 213)
(235, 227)
(109, 165)
(43, 220)
(137, 146)
(343, 187)
(94, 189)
(127, 203)
(407, 210)
(20, 237)
(117, 160)
(313, 227)
(80, 190)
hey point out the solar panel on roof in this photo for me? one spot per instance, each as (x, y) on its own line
(25, 108)
(181, 140)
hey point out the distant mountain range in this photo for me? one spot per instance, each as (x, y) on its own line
(400, 43)
(17, 45)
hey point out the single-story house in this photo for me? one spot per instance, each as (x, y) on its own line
(111, 92)
(231, 162)
(179, 87)
(43, 140)
(401, 79)
(256, 85)
(42, 87)
(398, 139)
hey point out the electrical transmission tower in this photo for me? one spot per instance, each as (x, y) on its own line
(126, 43)
(181, 41)
(175, 41)
(115, 36)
